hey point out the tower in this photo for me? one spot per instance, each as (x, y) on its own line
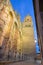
(28, 36)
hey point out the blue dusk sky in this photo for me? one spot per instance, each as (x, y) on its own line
(24, 8)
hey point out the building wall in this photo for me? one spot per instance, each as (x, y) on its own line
(39, 24)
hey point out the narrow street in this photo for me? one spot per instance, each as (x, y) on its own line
(26, 62)
(21, 63)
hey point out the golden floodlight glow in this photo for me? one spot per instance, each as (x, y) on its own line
(17, 36)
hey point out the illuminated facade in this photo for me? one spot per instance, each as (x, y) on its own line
(10, 31)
